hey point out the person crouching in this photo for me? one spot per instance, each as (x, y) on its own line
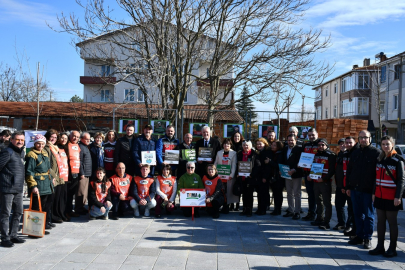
(144, 192)
(214, 189)
(99, 196)
(166, 187)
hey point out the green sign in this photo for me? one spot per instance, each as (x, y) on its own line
(224, 169)
(189, 155)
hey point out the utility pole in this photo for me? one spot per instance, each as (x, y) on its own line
(302, 109)
(399, 126)
(36, 126)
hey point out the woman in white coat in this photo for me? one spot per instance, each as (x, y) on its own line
(227, 156)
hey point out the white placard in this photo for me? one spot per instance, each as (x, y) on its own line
(306, 160)
(192, 197)
(148, 157)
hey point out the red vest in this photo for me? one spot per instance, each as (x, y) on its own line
(143, 186)
(166, 185)
(322, 160)
(122, 185)
(63, 166)
(97, 187)
(210, 186)
(74, 157)
(109, 158)
(385, 187)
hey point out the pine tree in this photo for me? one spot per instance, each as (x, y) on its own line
(246, 105)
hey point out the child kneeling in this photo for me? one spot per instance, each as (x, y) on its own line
(99, 196)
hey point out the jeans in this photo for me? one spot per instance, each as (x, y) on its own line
(119, 207)
(149, 205)
(293, 187)
(323, 189)
(363, 210)
(96, 212)
(10, 202)
(309, 186)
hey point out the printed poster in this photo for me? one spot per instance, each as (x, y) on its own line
(284, 169)
(30, 137)
(159, 126)
(303, 132)
(244, 168)
(192, 197)
(123, 123)
(148, 157)
(172, 156)
(316, 171)
(264, 129)
(189, 155)
(230, 129)
(196, 129)
(224, 171)
(205, 154)
(306, 160)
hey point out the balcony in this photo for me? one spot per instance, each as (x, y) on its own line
(223, 82)
(97, 80)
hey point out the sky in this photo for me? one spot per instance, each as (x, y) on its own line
(358, 29)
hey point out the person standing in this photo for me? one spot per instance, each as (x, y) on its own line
(271, 137)
(109, 149)
(208, 142)
(388, 195)
(323, 185)
(310, 147)
(97, 153)
(276, 181)
(340, 192)
(72, 150)
(294, 131)
(187, 144)
(85, 174)
(145, 142)
(4, 138)
(291, 156)
(360, 183)
(11, 189)
(123, 150)
(262, 189)
(237, 139)
(167, 142)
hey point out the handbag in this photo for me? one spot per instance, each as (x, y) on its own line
(34, 221)
(237, 187)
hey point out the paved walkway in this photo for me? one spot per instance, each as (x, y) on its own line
(231, 242)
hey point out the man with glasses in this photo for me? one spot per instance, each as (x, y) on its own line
(323, 185)
(208, 142)
(11, 189)
(360, 182)
(190, 180)
(187, 144)
(85, 174)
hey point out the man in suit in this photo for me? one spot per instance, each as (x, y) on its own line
(206, 142)
(291, 156)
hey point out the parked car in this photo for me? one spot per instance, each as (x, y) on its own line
(400, 148)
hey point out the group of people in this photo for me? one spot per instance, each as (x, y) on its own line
(108, 175)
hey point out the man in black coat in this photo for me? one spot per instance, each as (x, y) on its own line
(123, 152)
(206, 142)
(11, 189)
(84, 174)
(291, 156)
(360, 183)
(187, 144)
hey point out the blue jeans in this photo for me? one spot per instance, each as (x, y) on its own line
(363, 210)
(96, 212)
(10, 201)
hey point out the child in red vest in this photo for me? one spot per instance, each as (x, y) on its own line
(166, 187)
(214, 189)
(144, 192)
(99, 195)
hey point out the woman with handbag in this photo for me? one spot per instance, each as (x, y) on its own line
(387, 197)
(38, 177)
(227, 156)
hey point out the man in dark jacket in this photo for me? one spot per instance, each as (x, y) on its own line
(85, 173)
(340, 192)
(4, 138)
(323, 184)
(291, 156)
(145, 142)
(187, 144)
(208, 142)
(123, 148)
(167, 142)
(11, 189)
(360, 183)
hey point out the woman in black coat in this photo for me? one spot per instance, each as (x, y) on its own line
(276, 181)
(262, 188)
(248, 182)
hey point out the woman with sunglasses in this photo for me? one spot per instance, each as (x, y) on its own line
(190, 180)
(248, 182)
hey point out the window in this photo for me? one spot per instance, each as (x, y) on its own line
(105, 71)
(397, 69)
(129, 95)
(363, 81)
(344, 82)
(141, 97)
(383, 73)
(347, 107)
(362, 106)
(326, 113)
(382, 105)
(326, 92)
(105, 95)
(335, 88)
(335, 111)
(319, 113)
(396, 102)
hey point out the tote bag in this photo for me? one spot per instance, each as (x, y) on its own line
(34, 221)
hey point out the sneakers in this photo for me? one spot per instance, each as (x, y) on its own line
(324, 226)
(136, 212)
(147, 212)
(339, 227)
(356, 241)
(367, 244)
(317, 222)
(296, 216)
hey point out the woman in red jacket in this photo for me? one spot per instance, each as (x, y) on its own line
(387, 196)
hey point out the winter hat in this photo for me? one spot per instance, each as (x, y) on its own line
(40, 138)
(341, 140)
(324, 141)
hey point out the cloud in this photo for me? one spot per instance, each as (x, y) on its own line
(351, 12)
(28, 12)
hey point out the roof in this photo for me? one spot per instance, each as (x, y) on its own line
(391, 58)
(105, 110)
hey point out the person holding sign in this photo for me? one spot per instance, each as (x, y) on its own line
(226, 158)
(145, 142)
(263, 195)
(167, 142)
(215, 193)
(122, 185)
(187, 153)
(144, 192)
(190, 180)
(207, 149)
(166, 188)
(276, 182)
(99, 195)
(248, 169)
(291, 156)
(323, 184)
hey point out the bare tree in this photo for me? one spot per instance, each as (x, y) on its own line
(283, 97)
(9, 84)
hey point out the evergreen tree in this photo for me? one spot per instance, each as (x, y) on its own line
(246, 105)
(76, 98)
